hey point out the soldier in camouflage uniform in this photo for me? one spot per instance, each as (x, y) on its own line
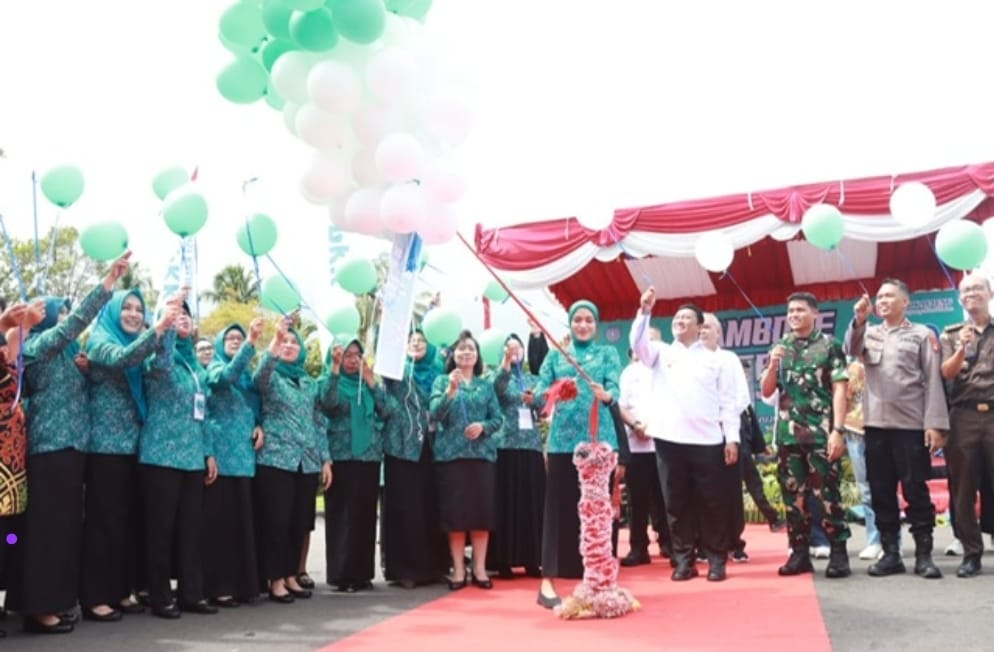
(808, 368)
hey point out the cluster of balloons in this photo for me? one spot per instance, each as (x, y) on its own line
(354, 80)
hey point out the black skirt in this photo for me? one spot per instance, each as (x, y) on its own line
(561, 520)
(413, 548)
(44, 576)
(467, 495)
(284, 502)
(517, 540)
(350, 522)
(230, 561)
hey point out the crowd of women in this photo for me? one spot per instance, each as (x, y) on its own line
(129, 463)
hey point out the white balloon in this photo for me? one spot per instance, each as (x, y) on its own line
(400, 157)
(327, 179)
(450, 119)
(441, 225)
(714, 251)
(334, 87)
(362, 211)
(290, 111)
(320, 129)
(912, 204)
(403, 208)
(442, 184)
(364, 168)
(337, 214)
(595, 216)
(373, 121)
(391, 74)
(289, 75)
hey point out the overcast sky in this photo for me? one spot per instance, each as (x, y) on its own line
(627, 102)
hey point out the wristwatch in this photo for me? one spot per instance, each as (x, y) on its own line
(840, 430)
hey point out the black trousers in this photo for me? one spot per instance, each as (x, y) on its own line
(174, 504)
(284, 508)
(899, 456)
(753, 481)
(969, 453)
(110, 530)
(645, 502)
(695, 483)
(44, 569)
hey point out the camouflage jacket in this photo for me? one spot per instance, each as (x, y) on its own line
(809, 368)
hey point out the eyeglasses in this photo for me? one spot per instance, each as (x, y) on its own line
(974, 289)
(234, 338)
(204, 349)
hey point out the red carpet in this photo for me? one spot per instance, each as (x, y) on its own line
(753, 609)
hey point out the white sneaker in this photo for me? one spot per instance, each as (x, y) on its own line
(954, 549)
(872, 551)
(820, 552)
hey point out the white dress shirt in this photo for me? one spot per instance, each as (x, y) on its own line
(695, 396)
(635, 389)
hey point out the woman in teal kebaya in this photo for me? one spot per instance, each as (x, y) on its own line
(464, 405)
(116, 350)
(48, 550)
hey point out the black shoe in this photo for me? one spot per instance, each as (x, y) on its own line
(684, 572)
(924, 566)
(548, 602)
(110, 617)
(636, 559)
(71, 617)
(970, 567)
(890, 563)
(226, 603)
(778, 525)
(303, 594)
(798, 562)
(305, 581)
(407, 584)
(482, 584)
(32, 626)
(170, 611)
(131, 608)
(838, 561)
(701, 555)
(740, 556)
(286, 598)
(716, 572)
(456, 585)
(200, 607)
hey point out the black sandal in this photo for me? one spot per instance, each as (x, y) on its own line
(305, 581)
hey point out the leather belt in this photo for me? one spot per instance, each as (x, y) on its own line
(979, 406)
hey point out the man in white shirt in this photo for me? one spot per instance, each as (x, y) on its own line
(694, 420)
(645, 495)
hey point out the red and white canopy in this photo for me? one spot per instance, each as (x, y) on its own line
(655, 245)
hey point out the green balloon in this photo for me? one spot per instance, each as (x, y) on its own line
(304, 5)
(274, 100)
(241, 24)
(313, 30)
(241, 50)
(104, 241)
(492, 346)
(272, 50)
(442, 326)
(343, 320)
(276, 18)
(360, 21)
(343, 339)
(495, 292)
(169, 180)
(185, 212)
(62, 185)
(243, 81)
(822, 226)
(416, 9)
(961, 244)
(262, 230)
(357, 275)
(280, 295)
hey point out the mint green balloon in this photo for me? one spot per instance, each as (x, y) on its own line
(360, 21)
(241, 24)
(357, 275)
(185, 212)
(243, 81)
(62, 185)
(272, 50)
(343, 320)
(313, 30)
(304, 5)
(822, 226)
(104, 241)
(416, 9)
(240, 50)
(169, 180)
(961, 244)
(442, 326)
(274, 99)
(280, 295)
(343, 339)
(495, 292)
(276, 18)
(260, 236)
(492, 346)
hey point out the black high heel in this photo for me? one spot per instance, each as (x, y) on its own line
(456, 585)
(548, 602)
(483, 584)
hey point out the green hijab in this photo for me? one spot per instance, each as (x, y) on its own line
(580, 305)
(108, 329)
(294, 370)
(354, 391)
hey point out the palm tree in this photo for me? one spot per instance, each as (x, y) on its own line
(233, 283)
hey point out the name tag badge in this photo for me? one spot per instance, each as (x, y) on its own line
(525, 419)
(199, 407)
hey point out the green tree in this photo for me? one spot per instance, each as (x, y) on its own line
(233, 283)
(63, 270)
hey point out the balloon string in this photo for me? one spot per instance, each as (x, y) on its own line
(766, 320)
(302, 303)
(13, 261)
(852, 269)
(34, 210)
(942, 265)
(248, 232)
(576, 365)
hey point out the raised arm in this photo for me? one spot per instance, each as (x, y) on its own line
(639, 336)
(852, 345)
